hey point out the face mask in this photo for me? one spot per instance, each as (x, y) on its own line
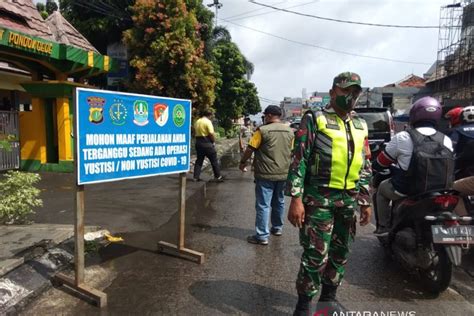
(344, 102)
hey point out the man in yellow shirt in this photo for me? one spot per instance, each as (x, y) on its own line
(205, 140)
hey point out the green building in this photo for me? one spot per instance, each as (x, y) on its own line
(41, 62)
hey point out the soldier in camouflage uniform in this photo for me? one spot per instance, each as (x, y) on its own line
(328, 176)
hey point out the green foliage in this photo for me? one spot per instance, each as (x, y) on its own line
(51, 6)
(205, 20)
(100, 21)
(174, 50)
(220, 131)
(5, 141)
(235, 95)
(42, 10)
(40, 7)
(44, 14)
(91, 246)
(220, 34)
(233, 132)
(252, 102)
(18, 196)
(167, 52)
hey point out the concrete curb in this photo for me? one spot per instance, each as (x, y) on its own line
(223, 146)
(28, 279)
(24, 283)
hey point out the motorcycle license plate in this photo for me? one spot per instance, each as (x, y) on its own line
(462, 234)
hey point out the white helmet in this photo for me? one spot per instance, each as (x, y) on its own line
(467, 115)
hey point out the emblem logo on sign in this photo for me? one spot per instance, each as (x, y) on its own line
(179, 115)
(140, 113)
(96, 109)
(118, 112)
(160, 114)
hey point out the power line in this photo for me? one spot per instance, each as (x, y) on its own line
(269, 12)
(81, 3)
(326, 48)
(252, 11)
(268, 100)
(344, 21)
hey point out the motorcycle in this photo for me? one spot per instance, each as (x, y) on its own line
(376, 146)
(426, 237)
(468, 200)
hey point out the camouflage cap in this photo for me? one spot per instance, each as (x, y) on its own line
(347, 79)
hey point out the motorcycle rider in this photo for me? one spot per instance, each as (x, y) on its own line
(424, 117)
(454, 117)
(463, 140)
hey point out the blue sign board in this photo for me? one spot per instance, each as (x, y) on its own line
(125, 136)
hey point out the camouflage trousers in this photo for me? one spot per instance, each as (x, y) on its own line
(328, 230)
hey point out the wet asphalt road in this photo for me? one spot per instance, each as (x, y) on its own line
(237, 278)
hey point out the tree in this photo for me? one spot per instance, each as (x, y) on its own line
(205, 20)
(249, 67)
(42, 10)
(233, 90)
(235, 94)
(102, 22)
(252, 102)
(166, 52)
(40, 7)
(51, 6)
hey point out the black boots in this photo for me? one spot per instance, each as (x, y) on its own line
(303, 307)
(328, 292)
(328, 303)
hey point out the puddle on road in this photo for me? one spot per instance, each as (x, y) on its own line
(197, 206)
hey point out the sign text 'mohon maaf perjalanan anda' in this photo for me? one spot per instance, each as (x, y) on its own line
(124, 136)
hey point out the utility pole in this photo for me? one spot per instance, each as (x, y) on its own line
(216, 4)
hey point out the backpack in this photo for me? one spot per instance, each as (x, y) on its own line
(432, 163)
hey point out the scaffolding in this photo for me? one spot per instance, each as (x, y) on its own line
(454, 75)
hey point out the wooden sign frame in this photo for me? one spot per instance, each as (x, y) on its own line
(78, 283)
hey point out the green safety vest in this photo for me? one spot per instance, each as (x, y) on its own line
(332, 165)
(272, 158)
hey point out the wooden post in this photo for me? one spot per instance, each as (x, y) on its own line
(182, 209)
(77, 284)
(79, 233)
(179, 250)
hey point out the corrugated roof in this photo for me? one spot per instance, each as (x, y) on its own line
(22, 15)
(26, 11)
(65, 33)
(409, 81)
(395, 90)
